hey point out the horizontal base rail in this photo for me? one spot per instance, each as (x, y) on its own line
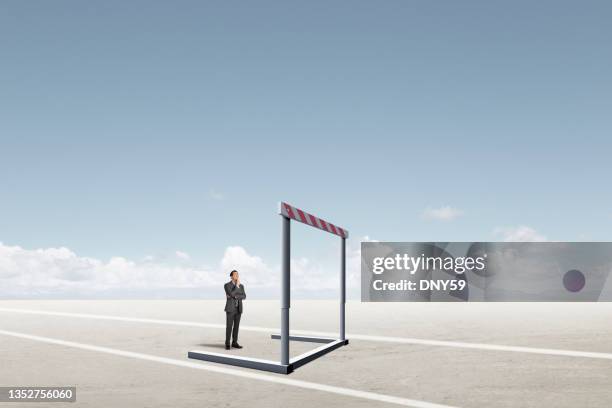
(247, 362)
(306, 338)
(269, 365)
(316, 353)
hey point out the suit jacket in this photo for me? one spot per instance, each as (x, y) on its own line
(235, 296)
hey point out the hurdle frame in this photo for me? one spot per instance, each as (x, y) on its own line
(287, 364)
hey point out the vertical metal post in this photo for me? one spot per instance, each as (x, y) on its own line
(285, 288)
(342, 287)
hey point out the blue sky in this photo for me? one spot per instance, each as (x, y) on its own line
(135, 129)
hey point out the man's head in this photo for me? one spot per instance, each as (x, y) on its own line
(234, 275)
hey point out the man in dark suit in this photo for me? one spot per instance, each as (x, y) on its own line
(235, 294)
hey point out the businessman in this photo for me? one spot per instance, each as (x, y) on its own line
(235, 294)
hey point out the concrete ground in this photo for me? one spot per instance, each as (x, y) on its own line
(132, 353)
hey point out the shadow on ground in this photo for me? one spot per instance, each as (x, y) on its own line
(215, 345)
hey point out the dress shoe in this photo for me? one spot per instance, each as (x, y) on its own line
(236, 345)
(227, 347)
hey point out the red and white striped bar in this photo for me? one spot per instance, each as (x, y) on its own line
(295, 213)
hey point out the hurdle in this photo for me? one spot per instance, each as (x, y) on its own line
(288, 364)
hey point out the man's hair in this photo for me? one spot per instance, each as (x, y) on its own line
(232, 272)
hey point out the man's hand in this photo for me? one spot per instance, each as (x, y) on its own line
(238, 282)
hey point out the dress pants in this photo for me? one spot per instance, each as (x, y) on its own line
(233, 319)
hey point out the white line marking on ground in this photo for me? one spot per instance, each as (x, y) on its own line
(234, 372)
(365, 337)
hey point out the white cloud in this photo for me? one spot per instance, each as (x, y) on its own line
(182, 255)
(444, 213)
(59, 272)
(251, 268)
(353, 266)
(216, 195)
(26, 272)
(307, 275)
(522, 233)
